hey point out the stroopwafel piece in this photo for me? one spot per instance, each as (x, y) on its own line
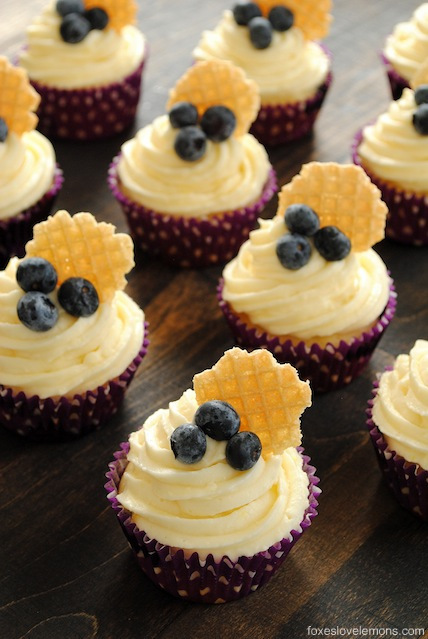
(269, 397)
(78, 246)
(120, 12)
(18, 99)
(342, 195)
(218, 82)
(311, 16)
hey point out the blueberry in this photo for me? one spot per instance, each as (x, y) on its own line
(281, 18)
(243, 450)
(243, 12)
(420, 119)
(421, 94)
(97, 18)
(293, 251)
(188, 443)
(74, 28)
(36, 274)
(190, 143)
(183, 114)
(218, 123)
(4, 130)
(260, 32)
(331, 243)
(217, 419)
(300, 218)
(64, 7)
(37, 312)
(78, 297)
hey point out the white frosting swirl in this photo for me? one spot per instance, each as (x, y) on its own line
(27, 167)
(393, 150)
(400, 408)
(407, 47)
(76, 355)
(327, 299)
(209, 507)
(290, 69)
(102, 57)
(230, 174)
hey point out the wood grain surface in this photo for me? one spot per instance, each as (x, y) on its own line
(65, 569)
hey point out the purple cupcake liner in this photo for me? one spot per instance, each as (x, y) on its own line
(17, 230)
(64, 418)
(204, 580)
(89, 113)
(190, 242)
(396, 81)
(408, 481)
(327, 368)
(407, 219)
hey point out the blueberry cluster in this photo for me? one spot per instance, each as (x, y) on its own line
(216, 124)
(4, 130)
(420, 116)
(294, 248)
(261, 29)
(220, 421)
(77, 21)
(37, 277)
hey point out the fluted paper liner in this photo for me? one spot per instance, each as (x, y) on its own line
(312, 17)
(396, 81)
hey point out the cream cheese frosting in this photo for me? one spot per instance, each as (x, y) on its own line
(27, 167)
(339, 298)
(230, 175)
(400, 408)
(76, 355)
(209, 507)
(102, 57)
(392, 148)
(407, 47)
(290, 69)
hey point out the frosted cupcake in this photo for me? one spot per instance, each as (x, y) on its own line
(85, 58)
(212, 492)
(70, 338)
(307, 285)
(406, 49)
(30, 179)
(398, 422)
(193, 182)
(275, 43)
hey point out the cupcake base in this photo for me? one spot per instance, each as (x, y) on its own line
(326, 367)
(190, 242)
(396, 82)
(62, 418)
(204, 580)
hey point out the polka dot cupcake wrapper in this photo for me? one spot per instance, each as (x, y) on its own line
(327, 368)
(407, 219)
(58, 419)
(190, 242)
(408, 481)
(16, 231)
(396, 82)
(194, 578)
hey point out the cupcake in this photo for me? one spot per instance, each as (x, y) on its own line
(214, 491)
(30, 179)
(394, 153)
(307, 285)
(275, 43)
(85, 58)
(71, 340)
(193, 182)
(398, 423)
(406, 49)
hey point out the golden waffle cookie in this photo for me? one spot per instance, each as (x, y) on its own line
(269, 397)
(120, 12)
(420, 76)
(342, 195)
(78, 246)
(218, 82)
(311, 16)
(18, 99)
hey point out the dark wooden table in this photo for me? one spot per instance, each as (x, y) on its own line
(65, 569)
